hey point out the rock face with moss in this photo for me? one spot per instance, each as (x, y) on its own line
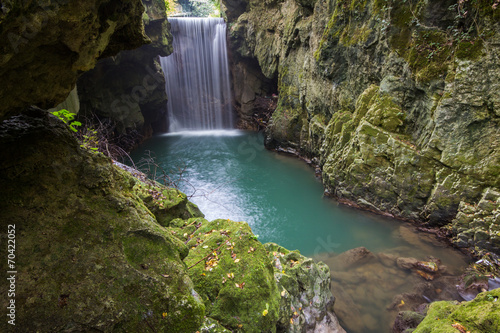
(100, 249)
(129, 89)
(90, 254)
(481, 315)
(396, 101)
(44, 47)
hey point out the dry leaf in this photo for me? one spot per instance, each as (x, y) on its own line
(460, 327)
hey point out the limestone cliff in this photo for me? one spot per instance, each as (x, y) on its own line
(397, 101)
(129, 89)
(45, 46)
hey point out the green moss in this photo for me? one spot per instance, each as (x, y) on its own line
(429, 54)
(165, 203)
(383, 112)
(355, 35)
(469, 50)
(231, 270)
(342, 24)
(365, 100)
(479, 315)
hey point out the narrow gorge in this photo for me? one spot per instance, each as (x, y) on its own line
(282, 166)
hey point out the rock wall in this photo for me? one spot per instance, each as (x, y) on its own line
(45, 46)
(396, 101)
(129, 89)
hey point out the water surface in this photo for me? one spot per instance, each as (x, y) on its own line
(229, 174)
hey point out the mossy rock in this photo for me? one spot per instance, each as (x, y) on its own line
(481, 315)
(232, 272)
(166, 203)
(90, 255)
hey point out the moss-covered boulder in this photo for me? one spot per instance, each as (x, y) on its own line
(481, 315)
(90, 255)
(232, 272)
(306, 303)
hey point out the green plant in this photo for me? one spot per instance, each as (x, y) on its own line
(90, 139)
(67, 117)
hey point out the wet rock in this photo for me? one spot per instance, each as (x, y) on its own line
(407, 263)
(472, 284)
(350, 258)
(427, 276)
(427, 266)
(347, 310)
(407, 320)
(387, 259)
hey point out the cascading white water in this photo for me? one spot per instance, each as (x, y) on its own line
(197, 75)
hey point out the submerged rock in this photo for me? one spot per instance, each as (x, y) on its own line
(407, 263)
(353, 257)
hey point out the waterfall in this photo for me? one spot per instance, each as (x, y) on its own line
(197, 75)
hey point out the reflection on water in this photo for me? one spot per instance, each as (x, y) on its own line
(229, 174)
